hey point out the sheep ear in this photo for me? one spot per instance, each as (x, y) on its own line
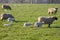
(56, 8)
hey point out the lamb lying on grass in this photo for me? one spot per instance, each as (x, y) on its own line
(38, 24)
(47, 20)
(27, 24)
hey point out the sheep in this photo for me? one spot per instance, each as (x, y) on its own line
(52, 10)
(7, 16)
(6, 6)
(47, 20)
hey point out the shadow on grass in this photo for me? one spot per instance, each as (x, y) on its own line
(21, 21)
(55, 27)
(52, 27)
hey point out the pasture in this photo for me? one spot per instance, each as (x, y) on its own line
(29, 13)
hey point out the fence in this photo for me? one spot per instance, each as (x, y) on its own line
(30, 1)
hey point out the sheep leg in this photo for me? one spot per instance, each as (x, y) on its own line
(52, 12)
(48, 12)
(49, 25)
(38, 25)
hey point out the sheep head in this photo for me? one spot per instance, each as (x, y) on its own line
(55, 18)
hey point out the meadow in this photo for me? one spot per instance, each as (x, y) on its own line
(29, 13)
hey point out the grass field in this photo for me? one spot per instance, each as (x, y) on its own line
(29, 13)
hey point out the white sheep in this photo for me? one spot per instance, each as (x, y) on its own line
(52, 10)
(47, 20)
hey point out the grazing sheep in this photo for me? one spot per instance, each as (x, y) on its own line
(6, 6)
(47, 20)
(6, 16)
(52, 10)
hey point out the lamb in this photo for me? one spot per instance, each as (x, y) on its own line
(47, 20)
(52, 10)
(27, 24)
(38, 24)
(6, 6)
(7, 16)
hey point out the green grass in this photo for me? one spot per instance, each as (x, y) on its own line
(30, 13)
